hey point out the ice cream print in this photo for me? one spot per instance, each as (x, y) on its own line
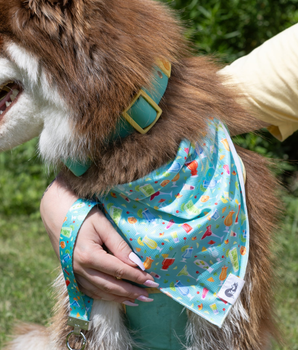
(187, 221)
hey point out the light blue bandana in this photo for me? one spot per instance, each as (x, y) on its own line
(188, 223)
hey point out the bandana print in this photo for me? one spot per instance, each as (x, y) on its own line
(187, 221)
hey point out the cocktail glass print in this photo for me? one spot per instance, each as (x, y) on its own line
(150, 243)
(225, 144)
(175, 237)
(233, 254)
(167, 262)
(187, 187)
(148, 190)
(74, 304)
(164, 183)
(171, 223)
(175, 167)
(184, 272)
(200, 151)
(214, 309)
(204, 293)
(202, 264)
(227, 169)
(66, 258)
(193, 167)
(175, 179)
(158, 193)
(213, 252)
(187, 228)
(116, 214)
(223, 275)
(209, 233)
(229, 221)
(125, 197)
(183, 290)
(215, 216)
(237, 216)
(187, 254)
(150, 217)
(210, 184)
(132, 221)
(148, 263)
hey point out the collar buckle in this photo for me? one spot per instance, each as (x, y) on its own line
(150, 101)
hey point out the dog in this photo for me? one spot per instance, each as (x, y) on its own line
(68, 69)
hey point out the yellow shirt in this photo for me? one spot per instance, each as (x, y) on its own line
(268, 81)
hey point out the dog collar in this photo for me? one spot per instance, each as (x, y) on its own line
(141, 114)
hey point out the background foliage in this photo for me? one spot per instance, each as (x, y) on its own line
(226, 29)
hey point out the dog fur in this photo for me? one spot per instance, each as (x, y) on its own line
(79, 63)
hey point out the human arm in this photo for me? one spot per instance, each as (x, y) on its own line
(268, 82)
(96, 270)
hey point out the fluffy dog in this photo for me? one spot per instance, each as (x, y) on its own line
(68, 68)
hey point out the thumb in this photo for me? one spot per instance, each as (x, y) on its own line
(115, 243)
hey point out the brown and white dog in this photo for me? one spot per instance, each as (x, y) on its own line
(68, 68)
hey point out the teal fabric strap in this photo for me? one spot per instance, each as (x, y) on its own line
(141, 111)
(80, 304)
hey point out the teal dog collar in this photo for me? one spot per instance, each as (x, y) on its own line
(141, 115)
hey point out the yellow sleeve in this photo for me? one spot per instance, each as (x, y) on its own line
(268, 82)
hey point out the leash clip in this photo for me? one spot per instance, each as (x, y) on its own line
(78, 326)
(82, 335)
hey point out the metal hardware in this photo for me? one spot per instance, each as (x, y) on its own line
(78, 324)
(82, 335)
(165, 66)
(155, 106)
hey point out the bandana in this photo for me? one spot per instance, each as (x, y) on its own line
(187, 221)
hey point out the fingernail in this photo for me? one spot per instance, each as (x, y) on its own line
(134, 258)
(129, 303)
(150, 283)
(145, 299)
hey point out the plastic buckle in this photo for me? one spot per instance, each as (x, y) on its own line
(149, 100)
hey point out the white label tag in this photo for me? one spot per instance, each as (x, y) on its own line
(231, 289)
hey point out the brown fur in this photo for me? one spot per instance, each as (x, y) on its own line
(98, 62)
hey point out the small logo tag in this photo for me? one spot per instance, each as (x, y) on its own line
(231, 289)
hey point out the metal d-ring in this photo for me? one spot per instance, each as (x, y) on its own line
(84, 340)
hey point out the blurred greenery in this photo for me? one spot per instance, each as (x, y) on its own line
(23, 179)
(226, 29)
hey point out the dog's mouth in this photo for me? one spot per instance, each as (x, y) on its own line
(9, 94)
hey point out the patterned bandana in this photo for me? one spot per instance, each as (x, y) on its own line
(188, 223)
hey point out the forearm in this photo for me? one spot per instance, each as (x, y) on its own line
(267, 80)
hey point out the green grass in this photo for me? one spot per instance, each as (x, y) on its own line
(27, 269)
(27, 264)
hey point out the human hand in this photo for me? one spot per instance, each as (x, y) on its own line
(99, 274)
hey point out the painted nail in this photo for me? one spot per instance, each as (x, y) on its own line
(129, 303)
(145, 299)
(150, 283)
(134, 258)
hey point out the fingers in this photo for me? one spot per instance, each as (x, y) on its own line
(115, 243)
(125, 291)
(98, 259)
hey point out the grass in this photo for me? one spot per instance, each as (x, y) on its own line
(27, 269)
(27, 264)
